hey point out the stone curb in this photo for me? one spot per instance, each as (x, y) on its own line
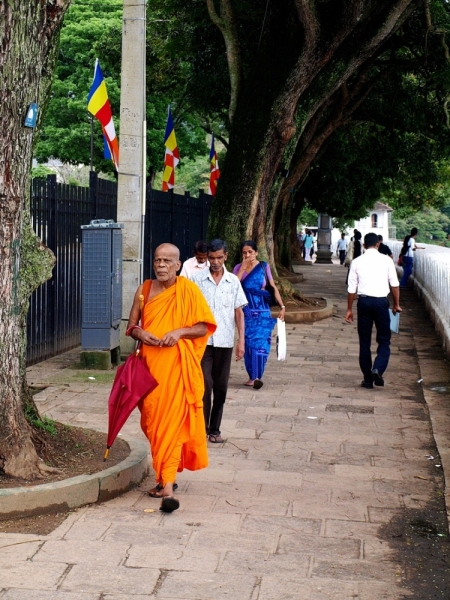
(72, 493)
(308, 316)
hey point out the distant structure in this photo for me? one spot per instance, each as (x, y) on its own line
(378, 221)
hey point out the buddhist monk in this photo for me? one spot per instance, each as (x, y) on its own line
(175, 323)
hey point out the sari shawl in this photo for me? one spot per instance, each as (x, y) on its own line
(172, 414)
(258, 322)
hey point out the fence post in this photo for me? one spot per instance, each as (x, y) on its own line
(172, 210)
(93, 196)
(201, 197)
(51, 195)
(52, 243)
(187, 234)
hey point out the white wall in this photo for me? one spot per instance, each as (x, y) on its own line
(364, 226)
(431, 279)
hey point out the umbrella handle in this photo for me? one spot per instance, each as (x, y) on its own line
(105, 456)
(141, 306)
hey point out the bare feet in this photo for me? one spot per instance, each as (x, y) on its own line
(249, 383)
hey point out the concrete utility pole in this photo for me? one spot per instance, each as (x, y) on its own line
(132, 153)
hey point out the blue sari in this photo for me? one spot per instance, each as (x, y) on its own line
(258, 322)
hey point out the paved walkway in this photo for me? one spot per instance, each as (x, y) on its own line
(323, 490)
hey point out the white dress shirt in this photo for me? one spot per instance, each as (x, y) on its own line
(223, 298)
(411, 246)
(191, 266)
(371, 274)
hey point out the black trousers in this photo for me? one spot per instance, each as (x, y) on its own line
(216, 364)
(373, 311)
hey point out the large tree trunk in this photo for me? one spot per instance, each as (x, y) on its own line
(309, 50)
(29, 30)
(335, 112)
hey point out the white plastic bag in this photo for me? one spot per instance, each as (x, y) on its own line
(281, 340)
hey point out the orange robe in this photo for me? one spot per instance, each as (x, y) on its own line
(172, 414)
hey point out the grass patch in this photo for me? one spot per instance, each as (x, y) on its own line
(41, 423)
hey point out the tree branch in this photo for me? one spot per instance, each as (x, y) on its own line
(429, 23)
(207, 127)
(431, 29)
(307, 15)
(214, 16)
(226, 22)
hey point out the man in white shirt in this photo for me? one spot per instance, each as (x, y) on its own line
(372, 275)
(341, 248)
(225, 297)
(198, 262)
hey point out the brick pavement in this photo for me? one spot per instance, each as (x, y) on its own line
(318, 493)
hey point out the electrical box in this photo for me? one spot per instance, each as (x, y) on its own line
(101, 290)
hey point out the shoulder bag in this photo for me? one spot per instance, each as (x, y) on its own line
(269, 287)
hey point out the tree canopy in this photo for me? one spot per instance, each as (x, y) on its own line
(93, 29)
(348, 98)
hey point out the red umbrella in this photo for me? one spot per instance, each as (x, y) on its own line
(132, 382)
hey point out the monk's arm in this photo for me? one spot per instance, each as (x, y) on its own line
(133, 322)
(188, 333)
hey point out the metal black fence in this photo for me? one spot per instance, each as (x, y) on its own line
(180, 220)
(58, 211)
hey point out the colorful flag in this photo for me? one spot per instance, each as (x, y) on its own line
(171, 157)
(100, 106)
(214, 169)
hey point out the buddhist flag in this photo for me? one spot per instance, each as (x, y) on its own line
(100, 106)
(214, 169)
(172, 155)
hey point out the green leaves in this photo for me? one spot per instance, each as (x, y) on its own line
(93, 29)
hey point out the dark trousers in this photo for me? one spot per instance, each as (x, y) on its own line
(342, 254)
(373, 311)
(407, 270)
(216, 364)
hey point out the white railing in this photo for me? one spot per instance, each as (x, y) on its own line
(431, 278)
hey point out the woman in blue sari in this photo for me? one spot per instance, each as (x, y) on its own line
(253, 276)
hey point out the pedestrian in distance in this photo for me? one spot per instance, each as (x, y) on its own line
(354, 250)
(308, 245)
(341, 248)
(383, 248)
(407, 251)
(372, 275)
(225, 297)
(198, 262)
(176, 322)
(301, 243)
(255, 277)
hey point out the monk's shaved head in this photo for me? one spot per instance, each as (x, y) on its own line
(168, 249)
(166, 263)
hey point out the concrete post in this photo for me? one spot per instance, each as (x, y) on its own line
(324, 252)
(132, 153)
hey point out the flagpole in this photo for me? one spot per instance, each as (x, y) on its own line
(144, 148)
(92, 143)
